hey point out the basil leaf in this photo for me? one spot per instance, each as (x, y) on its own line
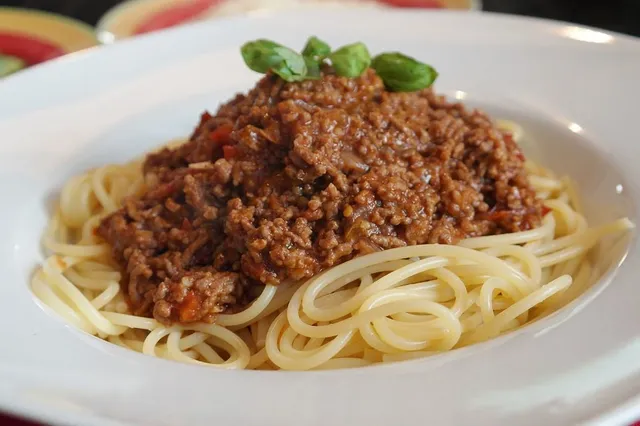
(399, 72)
(313, 68)
(265, 55)
(292, 67)
(259, 55)
(351, 60)
(314, 52)
(316, 49)
(402, 73)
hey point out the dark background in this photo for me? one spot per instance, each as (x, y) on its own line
(616, 15)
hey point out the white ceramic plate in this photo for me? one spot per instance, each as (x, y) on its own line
(575, 91)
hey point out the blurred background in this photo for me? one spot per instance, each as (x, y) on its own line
(617, 15)
(28, 36)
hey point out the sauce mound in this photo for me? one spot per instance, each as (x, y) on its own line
(293, 178)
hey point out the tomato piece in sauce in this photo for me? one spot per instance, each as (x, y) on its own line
(498, 215)
(222, 134)
(229, 152)
(189, 308)
(204, 117)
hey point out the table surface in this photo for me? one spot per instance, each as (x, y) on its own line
(615, 15)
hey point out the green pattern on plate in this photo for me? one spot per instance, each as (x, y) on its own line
(10, 64)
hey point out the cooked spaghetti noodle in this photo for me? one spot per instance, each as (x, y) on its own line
(392, 305)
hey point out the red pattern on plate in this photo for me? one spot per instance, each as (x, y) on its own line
(30, 49)
(174, 15)
(184, 12)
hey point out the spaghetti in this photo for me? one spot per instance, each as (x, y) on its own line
(387, 306)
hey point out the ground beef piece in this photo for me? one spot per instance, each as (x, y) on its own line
(293, 178)
(198, 295)
(167, 242)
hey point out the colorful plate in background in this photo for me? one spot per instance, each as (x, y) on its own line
(30, 37)
(135, 17)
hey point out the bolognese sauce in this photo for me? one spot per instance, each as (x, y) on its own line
(293, 178)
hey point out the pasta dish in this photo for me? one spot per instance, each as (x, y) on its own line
(339, 214)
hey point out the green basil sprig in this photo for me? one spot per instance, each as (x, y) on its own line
(265, 55)
(314, 52)
(316, 49)
(351, 60)
(399, 72)
(402, 73)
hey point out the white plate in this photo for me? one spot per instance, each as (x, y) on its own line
(575, 90)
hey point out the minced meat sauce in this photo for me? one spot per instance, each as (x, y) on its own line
(294, 178)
